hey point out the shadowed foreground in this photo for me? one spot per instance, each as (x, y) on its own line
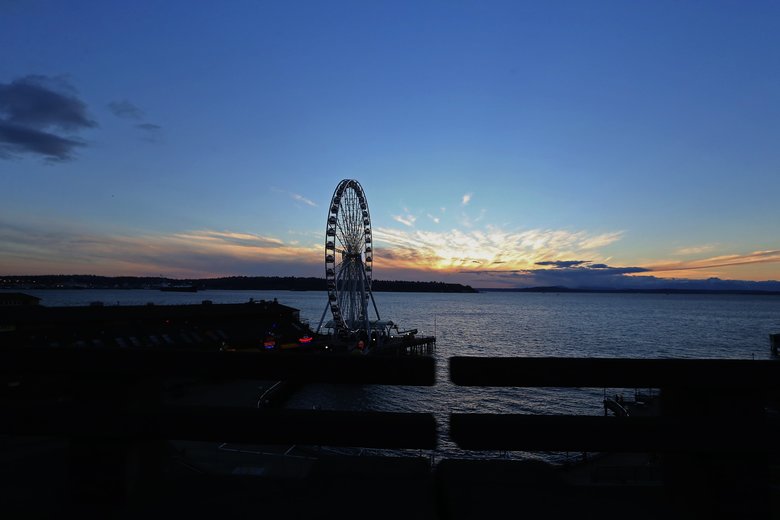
(99, 432)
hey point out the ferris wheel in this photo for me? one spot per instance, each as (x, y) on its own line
(349, 260)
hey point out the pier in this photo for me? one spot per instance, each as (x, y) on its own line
(425, 346)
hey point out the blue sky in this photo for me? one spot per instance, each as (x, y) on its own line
(489, 137)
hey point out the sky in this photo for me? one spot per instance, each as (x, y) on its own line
(500, 144)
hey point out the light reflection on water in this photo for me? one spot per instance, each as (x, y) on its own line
(513, 324)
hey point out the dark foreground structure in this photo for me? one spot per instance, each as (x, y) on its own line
(198, 327)
(99, 440)
(117, 413)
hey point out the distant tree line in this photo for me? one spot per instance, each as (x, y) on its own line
(405, 286)
(262, 283)
(257, 283)
(294, 283)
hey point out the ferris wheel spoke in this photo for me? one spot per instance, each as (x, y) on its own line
(351, 224)
(339, 227)
(340, 241)
(343, 226)
(344, 237)
(354, 207)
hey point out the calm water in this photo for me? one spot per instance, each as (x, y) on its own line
(513, 324)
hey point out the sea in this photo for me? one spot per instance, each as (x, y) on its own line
(510, 324)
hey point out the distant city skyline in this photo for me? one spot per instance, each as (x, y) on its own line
(500, 144)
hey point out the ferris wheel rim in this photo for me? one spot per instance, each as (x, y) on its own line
(348, 236)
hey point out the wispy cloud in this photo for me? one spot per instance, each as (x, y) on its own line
(469, 221)
(486, 248)
(184, 254)
(435, 219)
(694, 250)
(300, 198)
(406, 220)
(756, 257)
(297, 197)
(464, 201)
(601, 240)
(149, 127)
(242, 239)
(490, 255)
(125, 110)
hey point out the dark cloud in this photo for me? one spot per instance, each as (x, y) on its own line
(33, 109)
(582, 274)
(150, 127)
(563, 263)
(125, 110)
(35, 102)
(581, 277)
(18, 139)
(574, 274)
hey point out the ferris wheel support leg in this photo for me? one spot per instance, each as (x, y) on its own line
(365, 310)
(366, 294)
(323, 317)
(370, 292)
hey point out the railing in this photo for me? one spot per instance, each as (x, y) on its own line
(706, 405)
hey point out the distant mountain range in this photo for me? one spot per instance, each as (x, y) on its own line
(668, 290)
(257, 283)
(759, 288)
